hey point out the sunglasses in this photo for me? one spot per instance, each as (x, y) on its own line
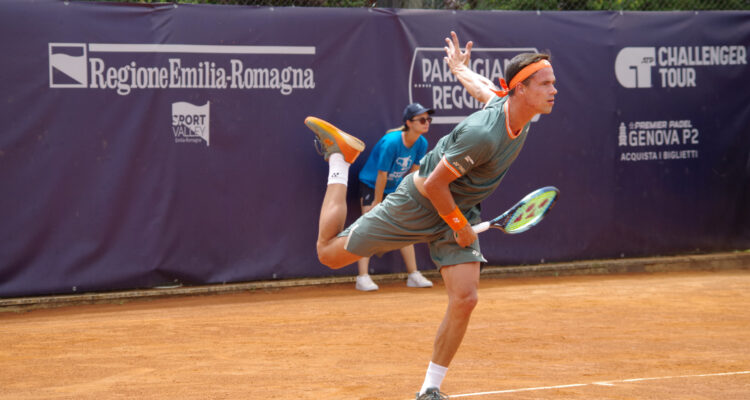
(422, 120)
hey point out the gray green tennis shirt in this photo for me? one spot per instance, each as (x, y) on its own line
(478, 151)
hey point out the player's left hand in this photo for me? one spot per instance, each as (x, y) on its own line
(455, 57)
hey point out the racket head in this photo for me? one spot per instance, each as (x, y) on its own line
(528, 212)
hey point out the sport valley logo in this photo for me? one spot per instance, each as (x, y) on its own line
(431, 82)
(191, 123)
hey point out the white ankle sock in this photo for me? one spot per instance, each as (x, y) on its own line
(434, 377)
(338, 169)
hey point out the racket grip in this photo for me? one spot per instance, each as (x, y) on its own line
(481, 227)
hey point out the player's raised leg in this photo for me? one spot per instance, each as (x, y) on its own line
(340, 150)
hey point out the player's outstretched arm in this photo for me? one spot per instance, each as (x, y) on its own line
(477, 85)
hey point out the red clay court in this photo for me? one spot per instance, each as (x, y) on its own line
(665, 335)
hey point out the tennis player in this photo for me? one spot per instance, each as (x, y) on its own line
(439, 203)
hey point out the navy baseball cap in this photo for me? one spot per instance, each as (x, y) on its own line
(415, 109)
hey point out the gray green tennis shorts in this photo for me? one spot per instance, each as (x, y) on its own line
(406, 217)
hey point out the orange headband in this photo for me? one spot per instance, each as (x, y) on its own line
(521, 76)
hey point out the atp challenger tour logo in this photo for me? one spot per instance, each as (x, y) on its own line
(124, 68)
(676, 64)
(190, 123)
(431, 81)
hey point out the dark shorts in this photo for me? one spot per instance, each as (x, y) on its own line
(367, 194)
(406, 217)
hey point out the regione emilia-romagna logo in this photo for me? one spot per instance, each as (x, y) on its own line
(125, 68)
(191, 123)
(432, 83)
(67, 65)
(672, 66)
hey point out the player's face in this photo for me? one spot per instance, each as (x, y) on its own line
(421, 123)
(541, 91)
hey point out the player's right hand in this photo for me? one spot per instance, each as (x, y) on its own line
(465, 236)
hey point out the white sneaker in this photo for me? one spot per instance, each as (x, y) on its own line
(417, 280)
(365, 283)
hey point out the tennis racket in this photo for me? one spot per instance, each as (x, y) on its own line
(525, 214)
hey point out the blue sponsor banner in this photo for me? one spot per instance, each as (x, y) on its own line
(148, 144)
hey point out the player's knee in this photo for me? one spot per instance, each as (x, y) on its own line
(328, 259)
(465, 302)
(333, 255)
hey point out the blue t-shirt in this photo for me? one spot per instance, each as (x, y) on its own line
(390, 155)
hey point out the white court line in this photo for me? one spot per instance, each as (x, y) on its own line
(601, 383)
(519, 390)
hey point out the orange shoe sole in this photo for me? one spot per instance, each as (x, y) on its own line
(349, 146)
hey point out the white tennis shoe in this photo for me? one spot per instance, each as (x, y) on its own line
(417, 280)
(365, 283)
